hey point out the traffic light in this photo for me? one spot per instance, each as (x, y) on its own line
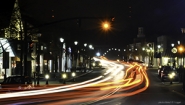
(30, 46)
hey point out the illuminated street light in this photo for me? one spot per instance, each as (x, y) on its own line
(46, 77)
(181, 49)
(90, 46)
(62, 40)
(98, 54)
(85, 44)
(75, 42)
(172, 44)
(61, 53)
(105, 25)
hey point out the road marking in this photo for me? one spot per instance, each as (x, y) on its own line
(178, 93)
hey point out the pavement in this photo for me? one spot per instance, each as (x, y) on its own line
(54, 81)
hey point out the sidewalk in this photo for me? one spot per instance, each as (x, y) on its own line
(53, 81)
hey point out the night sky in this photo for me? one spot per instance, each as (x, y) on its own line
(158, 17)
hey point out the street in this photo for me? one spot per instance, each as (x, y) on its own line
(88, 90)
(158, 93)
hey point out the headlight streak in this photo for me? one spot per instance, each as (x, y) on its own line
(142, 74)
(87, 91)
(61, 88)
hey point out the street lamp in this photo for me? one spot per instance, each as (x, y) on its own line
(85, 44)
(76, 42)
(73, 74)
(181, 50)
(46, 77)
(64, 77)
(61, 53)
(62, 40)
(90, 48)
(106, 25)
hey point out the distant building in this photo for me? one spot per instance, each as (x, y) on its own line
(141, 49)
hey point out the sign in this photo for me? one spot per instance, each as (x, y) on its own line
(174, 50)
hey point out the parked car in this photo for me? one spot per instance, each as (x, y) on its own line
(159, 70)
(168, 73)
(13, 83)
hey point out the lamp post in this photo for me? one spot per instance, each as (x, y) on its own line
(73, 74)
(84, 57)
(91, 48)
(47, 77)
(181, 50)
(61, 54)
(76, 53)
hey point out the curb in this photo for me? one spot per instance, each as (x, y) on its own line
(80, 75)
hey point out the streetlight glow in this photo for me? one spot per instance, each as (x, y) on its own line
(85, 44)
(90, 46)
(181, 49)
(62, 40)
(106, 25)
(75, 42)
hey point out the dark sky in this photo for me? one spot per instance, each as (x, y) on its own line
(158, 17)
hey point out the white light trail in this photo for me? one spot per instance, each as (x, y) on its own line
(115, 70)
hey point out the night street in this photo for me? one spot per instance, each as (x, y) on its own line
(158, 93)
(92, 52)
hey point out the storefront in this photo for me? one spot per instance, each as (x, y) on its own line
(7, 48)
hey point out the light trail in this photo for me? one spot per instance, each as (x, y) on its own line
(65, 88)
(129, 85)
(100, 88)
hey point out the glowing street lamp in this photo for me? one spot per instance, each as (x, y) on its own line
(105, 25)
(61, 53)
(75, 42)
(46, 77)
(181, 49)
(62, 40)
(85, 44)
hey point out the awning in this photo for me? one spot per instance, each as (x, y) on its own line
(6, 46)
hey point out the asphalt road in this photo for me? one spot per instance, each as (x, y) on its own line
(158, 93)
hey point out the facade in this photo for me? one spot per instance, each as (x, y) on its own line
(167, 51)
(141, 49)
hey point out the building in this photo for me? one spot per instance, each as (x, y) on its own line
(141, 49)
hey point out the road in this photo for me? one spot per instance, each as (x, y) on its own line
(66, 93)
(158, 93)
(114, 85)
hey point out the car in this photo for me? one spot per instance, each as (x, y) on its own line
(16, 82)
(168, 73)
(97, 64)
(159, 70)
